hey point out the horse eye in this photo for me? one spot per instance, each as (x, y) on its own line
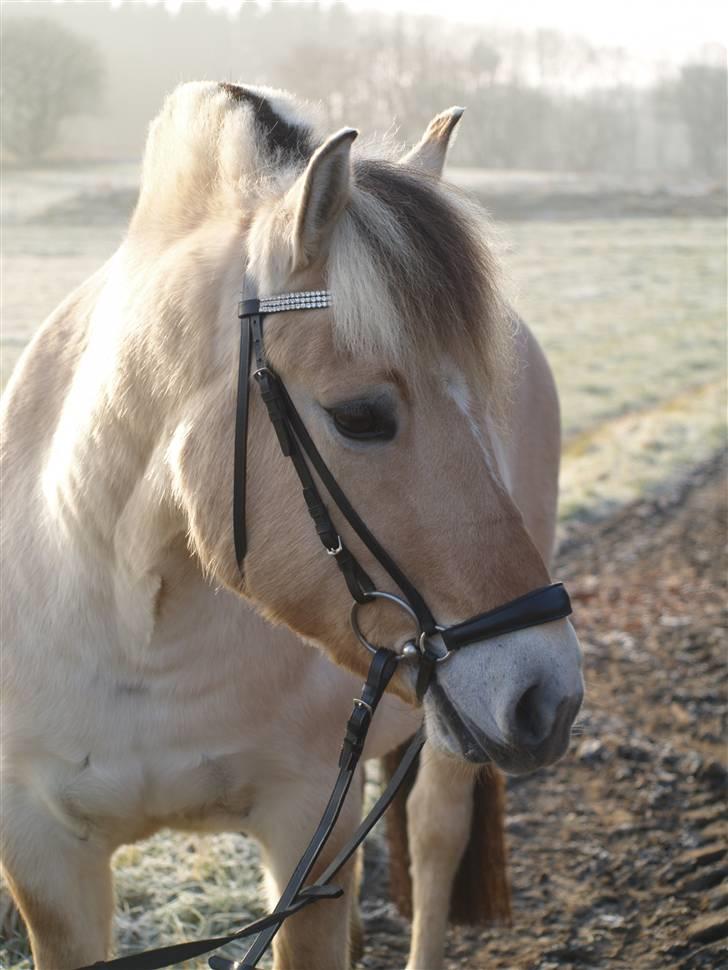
(364, 421)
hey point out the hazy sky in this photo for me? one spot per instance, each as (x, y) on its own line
(670, 26)
(655, 29)
(673, 29)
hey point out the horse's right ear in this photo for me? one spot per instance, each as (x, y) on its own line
(319, 195)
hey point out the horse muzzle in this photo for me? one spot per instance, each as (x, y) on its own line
(512, 700)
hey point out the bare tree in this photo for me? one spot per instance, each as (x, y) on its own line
(700, 94)
(48, 73)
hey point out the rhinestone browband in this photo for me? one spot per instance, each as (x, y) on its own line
(304, 300)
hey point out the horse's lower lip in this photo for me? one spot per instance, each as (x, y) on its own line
(476, 747)
(470, 745)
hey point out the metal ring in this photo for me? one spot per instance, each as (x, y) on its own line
(391, 598)
(421, 645)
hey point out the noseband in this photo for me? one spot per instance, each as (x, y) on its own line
(539, 606)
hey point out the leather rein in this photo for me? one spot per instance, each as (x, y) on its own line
(539, 606)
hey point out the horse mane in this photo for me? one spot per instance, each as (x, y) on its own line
(410, 269)
(217, 148)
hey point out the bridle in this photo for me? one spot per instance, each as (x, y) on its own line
(539, 606)
(542, 605)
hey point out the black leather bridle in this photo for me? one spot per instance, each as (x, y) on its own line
(539, 606)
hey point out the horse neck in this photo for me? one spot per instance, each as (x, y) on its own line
(104, 430)
(149, 349)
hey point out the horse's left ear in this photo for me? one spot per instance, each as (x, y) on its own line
(319, 195)
(430, 152)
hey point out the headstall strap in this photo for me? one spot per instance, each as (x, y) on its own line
(241, 435)
(250, 314)
(536, 607)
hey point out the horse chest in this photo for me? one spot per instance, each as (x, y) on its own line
(153, 759)
(198, 732)
(122, 795)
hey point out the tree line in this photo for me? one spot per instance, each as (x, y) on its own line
(538, 100)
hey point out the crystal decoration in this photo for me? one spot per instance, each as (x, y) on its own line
(303, 300)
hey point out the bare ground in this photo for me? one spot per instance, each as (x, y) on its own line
(619, 853)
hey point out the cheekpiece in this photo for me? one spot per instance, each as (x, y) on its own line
(303, 300)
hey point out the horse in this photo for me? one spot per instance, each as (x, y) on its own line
(147, 680)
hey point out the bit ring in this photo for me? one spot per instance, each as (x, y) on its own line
(390, 598)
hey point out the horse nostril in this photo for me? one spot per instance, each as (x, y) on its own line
(528, 718)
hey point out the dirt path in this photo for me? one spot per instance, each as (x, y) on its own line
(619, 853)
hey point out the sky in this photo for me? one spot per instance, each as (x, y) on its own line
(670, 26)
(669, 30)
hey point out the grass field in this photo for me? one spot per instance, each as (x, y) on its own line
(632, 315)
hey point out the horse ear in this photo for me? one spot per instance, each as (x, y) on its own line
(430, 152)
(319, 195)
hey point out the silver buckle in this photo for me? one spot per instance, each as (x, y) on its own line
(335, 552)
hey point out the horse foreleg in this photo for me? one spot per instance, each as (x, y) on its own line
(439, 812)
(356, 925)
(318, 938)
(61, 882)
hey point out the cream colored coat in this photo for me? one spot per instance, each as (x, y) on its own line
(137, 690)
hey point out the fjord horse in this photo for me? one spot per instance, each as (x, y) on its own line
(146, 682)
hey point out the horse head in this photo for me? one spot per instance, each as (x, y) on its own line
(402, 383)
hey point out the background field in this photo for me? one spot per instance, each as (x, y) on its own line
(631, 311)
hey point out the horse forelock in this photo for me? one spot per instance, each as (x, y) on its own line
(413, 277)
